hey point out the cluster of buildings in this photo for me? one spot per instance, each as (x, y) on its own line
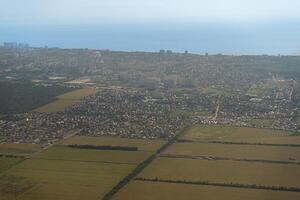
(143, 114)
(131, 114)
(15, 45)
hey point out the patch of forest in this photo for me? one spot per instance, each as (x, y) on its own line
(19, 97)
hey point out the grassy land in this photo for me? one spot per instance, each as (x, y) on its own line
(6, 163)
(236, 151)
(234, 134)
(64, 173)
(213, 91)
(59, 179)
(19, 149)
(260, 90)
(224, 172)
(242, 165)
(65, 100)
(265, 123)
(143, 145)
(139, 190)
(83, 155)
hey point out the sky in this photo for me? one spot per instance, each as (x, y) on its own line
(146, 11)
(214, 26)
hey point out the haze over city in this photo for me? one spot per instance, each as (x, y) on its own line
(254, 27)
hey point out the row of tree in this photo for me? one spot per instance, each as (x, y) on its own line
(106, 147)
(237, 185)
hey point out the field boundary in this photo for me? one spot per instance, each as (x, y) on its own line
(143, 165)
(234, 185)
(214, 158)
(87, 161)
(238, 143)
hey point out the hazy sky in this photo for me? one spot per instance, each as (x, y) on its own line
(145, 11)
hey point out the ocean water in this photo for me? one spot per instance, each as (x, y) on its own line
(213, 38)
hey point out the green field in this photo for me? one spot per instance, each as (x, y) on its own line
(65, 100)
(19, 149)
(254, 152)
(242, 157)
(6, 163)
(224, 172)
(264, 123)
(63, 173)
(89, 155)
(141, 144)
(238, 134)
(140, 190)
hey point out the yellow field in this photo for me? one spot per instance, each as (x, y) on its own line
(141, 190)
(224, 172)
(238, 134)
(143, 145)
(236, 151)
(19, 149)
(65, 100)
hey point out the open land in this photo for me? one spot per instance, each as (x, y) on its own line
(238, 134)
(61, 172)
(237, 151)
(65, 100)
(223, 172)
(142, 190)
(196, 167)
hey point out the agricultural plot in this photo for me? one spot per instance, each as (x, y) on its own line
(59, 179)
(264, 123)
(142, 145)
(224, 172)
(63, 173)
(234, 151)
(88, 155)
(6, 163)
(65, 100)
(261, 90)
(19, 149)
(238, 134)
(143, 190)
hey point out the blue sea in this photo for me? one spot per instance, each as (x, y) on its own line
(213, 38)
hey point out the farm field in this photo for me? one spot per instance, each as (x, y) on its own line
(89, 155)
(57, 179)
(63, 173)
(65, 100)
(143, 190)
(142, 145)
(19, 149)
(262, 122)
(224, 172)
(6, 163)
(254, 152)
(239, 134)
